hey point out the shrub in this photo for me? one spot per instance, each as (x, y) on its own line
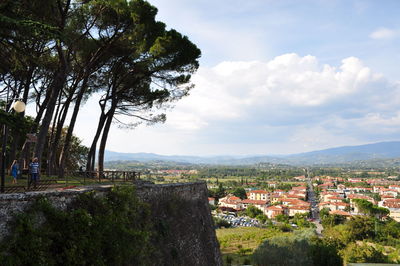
(221, 223)
(110, 230)
(301, 247)
(363, 253)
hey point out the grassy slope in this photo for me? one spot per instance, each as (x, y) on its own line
(239, 243)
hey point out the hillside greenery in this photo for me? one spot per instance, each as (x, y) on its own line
(111, 230)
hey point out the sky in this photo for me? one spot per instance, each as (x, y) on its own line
(276, 77)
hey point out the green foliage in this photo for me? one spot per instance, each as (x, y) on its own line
(262, 218)
(282, 218)
(240, 192)
(324, 254)
(332, 220)
(324, 213)
(361, 227)
(96, 44)
(228, 260)
(284, 227)
(19, 124)
(219, 223)
(114, 230)
(252, 211)
(346, 239)
(218, 193)
(375, 196)
(388, 232)
(337, 236)
(77, 153)
(300, 219)
(213, 207)
(229, 238)
(299, 248)
(364, 253)
(328, 220)
(368, 208)
(284, 186)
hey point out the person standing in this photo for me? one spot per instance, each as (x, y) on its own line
(34, 170)
(14, 171)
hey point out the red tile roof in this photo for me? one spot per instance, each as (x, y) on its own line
(358, 196)
(255, 202)
(334, 197)
(299, 188)
(298, 207)
(275, 208)
(339, 212)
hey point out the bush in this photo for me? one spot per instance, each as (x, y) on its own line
(228, 260)
(221, 223)
(262, 218)
(283, 250)
(282, 218)
(284, 227)
(301, 247)
(240, 192)
(363, 253)
(252, 211)
(361, 227)
(113, 230)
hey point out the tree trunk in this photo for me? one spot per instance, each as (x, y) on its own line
(57, 83)
(53, 140)
(68, 137)
(103, 142)
(55, 88)
(92, 151)
(40, 113)
(60, 126)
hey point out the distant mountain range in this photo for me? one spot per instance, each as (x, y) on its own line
(339, 155)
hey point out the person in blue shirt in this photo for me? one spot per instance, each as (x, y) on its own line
(14, 171)
(34, 171)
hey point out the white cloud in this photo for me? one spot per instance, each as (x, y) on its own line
(383, 33)
(293, 102)
(237, 90)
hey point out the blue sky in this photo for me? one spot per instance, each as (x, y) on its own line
(277, 77)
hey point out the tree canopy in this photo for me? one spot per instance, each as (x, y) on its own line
(58, 53)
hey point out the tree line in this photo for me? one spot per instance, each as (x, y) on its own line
(58, 53)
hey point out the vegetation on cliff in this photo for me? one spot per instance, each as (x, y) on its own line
(157, 225)
(112, 230)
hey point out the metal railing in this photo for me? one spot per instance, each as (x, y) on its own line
(106, 176)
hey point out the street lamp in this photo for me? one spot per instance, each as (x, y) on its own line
(19, 107)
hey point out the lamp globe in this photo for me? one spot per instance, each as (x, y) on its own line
(19, 106)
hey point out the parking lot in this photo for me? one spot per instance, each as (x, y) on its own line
(239, 221)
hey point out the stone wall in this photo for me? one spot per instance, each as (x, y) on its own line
(181, 214)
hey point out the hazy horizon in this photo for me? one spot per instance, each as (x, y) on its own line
(245, 155)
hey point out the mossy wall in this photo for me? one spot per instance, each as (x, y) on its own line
(182, 215)
(176, 217)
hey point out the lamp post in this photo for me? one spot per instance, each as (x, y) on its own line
(19, 106)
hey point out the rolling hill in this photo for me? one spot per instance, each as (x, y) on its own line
(338, 155)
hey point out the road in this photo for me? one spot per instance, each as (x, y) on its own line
(314, 207)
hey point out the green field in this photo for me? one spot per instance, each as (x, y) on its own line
(239, 243)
